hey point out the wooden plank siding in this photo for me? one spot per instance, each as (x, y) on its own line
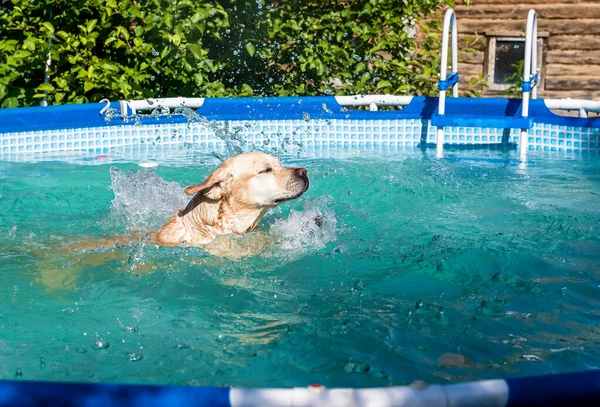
(570, 34)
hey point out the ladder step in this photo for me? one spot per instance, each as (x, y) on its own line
(503, 122)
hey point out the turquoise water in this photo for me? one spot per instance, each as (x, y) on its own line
(416, 257)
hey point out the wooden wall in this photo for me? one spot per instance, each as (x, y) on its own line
(571, 60)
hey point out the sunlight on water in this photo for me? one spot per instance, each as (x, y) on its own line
(386, 271)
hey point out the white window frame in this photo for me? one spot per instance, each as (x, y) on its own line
(490, 62)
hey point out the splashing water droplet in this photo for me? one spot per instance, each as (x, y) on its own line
(357, 367)
(135, 356)
(100, 344)
(304, 231)
(143, 198)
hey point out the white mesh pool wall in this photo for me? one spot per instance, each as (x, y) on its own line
(309, 125)
(147, 141)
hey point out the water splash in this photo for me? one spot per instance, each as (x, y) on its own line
(143, 200)
(135, 356)
(100, 343)
(110, 114)
(234, 137)
(305, 231)
(234, 142)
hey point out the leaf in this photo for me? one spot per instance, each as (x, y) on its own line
(48, 26)
(361, 66)
(196, 50)
(384, 84)
(121, 30)
(246, 90)
(30, 45)
(90, 25)
(250, 49)
(109, 40)
(87, 86)
(46, 87)
(63, 35)
(21, 54)
(10, 102)
(293, 25)
(61, 82)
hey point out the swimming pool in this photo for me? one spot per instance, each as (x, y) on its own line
(477, 254)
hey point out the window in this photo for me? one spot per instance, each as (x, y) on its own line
(504, 58)
(507, 60)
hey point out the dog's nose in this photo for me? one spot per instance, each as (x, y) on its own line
(301, 172)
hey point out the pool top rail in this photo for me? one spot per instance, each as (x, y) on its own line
(580, 389)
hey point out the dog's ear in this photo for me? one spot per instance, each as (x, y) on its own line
(213, 186)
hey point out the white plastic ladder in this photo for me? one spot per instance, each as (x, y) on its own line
(530, 78)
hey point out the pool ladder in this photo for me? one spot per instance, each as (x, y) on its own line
(450, 81)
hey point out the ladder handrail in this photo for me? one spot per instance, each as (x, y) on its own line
(444, 82)
(449, 24)
(530, 77)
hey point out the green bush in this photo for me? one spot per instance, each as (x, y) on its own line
(128, 49)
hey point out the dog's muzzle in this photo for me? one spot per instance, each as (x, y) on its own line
(296, 185)
(299, 181)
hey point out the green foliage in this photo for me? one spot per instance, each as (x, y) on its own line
(476, 87)
(479, 84)
(516, 80)
(128, 49)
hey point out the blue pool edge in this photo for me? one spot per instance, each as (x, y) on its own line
(579, 388)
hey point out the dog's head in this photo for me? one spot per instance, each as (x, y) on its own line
(253, 181)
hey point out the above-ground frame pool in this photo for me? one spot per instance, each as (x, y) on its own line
(473, 265)
(453, 242)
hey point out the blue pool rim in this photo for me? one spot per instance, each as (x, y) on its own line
(578, 389)
(491, 112)
(316, 126)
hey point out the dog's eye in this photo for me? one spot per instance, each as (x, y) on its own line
(266, 170)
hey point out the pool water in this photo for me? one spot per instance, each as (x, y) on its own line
(474, 255)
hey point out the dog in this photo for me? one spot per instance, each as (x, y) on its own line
(230, 201)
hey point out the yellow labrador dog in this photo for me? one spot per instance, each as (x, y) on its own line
(231, 201)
